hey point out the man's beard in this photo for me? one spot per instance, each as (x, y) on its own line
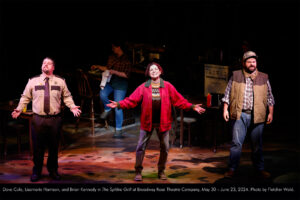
(46, 71)
(250, 71)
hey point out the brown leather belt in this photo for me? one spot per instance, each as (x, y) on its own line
(247, 111)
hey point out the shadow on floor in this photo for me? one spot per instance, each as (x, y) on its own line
(103, 159)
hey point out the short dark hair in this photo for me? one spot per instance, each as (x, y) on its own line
(47, 57)
(148, 68)
(118, 43)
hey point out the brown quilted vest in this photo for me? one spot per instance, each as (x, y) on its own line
(260, 90)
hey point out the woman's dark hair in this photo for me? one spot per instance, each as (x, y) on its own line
(157, 65)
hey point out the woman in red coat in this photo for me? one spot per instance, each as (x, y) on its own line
(157, 98)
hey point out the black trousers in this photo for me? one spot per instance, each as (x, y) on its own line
(45, 133)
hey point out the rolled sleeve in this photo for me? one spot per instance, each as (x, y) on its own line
(110, 62)
(225, 99)
(121, 64)
(270, 99)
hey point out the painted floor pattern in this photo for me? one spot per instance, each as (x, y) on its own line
(103, 159)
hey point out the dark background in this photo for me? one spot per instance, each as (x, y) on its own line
(78, 34)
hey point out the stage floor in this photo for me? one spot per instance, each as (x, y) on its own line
(103, 159)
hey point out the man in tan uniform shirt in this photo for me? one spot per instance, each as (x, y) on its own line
(46, 92)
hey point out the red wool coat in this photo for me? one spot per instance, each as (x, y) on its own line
(169, 96)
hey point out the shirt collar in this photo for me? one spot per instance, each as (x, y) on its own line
(43, 76)
(148, 83)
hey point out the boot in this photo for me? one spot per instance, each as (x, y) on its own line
(162, 175)
(138, 176)
(229, 174)
(35, 177)
(263, 174)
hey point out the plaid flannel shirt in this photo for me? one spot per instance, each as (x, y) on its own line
(121, 64)
(248, 94)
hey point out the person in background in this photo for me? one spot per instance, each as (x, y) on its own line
(248, 95)
(157, 98)
(46, 92)
(119, 67)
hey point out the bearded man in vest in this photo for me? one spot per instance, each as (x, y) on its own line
(249, 98)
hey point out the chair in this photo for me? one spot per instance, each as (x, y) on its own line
(86, 94)
(10, 128)
(185, 121)
(13, 129)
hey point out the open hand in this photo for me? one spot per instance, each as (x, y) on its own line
(16, 113)
(76, 111)
(199, 109)
(112, 104)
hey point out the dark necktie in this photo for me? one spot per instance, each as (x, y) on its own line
(47, 97)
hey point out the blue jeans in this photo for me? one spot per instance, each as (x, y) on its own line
(118, 96)
(239, 130)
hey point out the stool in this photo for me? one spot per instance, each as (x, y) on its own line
(188, 121)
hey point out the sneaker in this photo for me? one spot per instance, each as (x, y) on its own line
(162, 175)
(229, 174)
(138, 177)
(104, 115)
(118, 134)
(263, 174)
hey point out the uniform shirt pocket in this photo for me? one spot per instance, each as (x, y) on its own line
(55, 87)
(39, 90)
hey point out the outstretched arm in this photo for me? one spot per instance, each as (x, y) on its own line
(180, 102)
(133, 100)
(100, 67)
(118, 73)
